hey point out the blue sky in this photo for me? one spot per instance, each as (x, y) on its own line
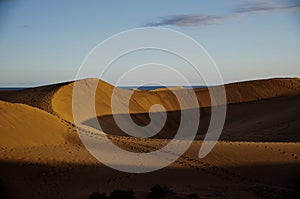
(43, 42)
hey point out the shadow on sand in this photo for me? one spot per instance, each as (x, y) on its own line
(270, 120)
(33, 180)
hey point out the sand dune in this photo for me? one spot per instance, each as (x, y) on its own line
(41, 155)
(141, 101)
(39, 97)
(275, 119)
(256, 112)
(58, 98)
(249, 117)
(22, 125)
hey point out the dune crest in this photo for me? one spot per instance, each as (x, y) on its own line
(141, 101)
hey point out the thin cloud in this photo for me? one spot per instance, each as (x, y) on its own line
(258, 6)
(265, 6)
(188, 20)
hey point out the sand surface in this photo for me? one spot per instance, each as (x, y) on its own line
(42, 156)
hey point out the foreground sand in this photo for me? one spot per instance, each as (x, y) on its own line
(231, 170)
(42, 157)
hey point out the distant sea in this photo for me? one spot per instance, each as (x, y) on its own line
(12, 88)
(156, 87)
(124, 87)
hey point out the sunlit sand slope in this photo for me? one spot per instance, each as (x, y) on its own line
(23, 125)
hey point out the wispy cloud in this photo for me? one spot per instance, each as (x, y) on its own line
(187, 20)
(247, 7)
(265, 6)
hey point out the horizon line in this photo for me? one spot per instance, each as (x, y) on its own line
(171, 85)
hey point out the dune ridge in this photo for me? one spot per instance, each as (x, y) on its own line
(57, 100)
(141, 101)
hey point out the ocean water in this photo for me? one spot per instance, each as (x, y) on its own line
(156, 87)
(124, 87)
(12, 88)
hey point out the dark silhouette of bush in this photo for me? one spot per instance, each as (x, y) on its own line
(2, 194)
(158, 191)
(122, 194)
(97, 195)
(116, 194)
(193, 195)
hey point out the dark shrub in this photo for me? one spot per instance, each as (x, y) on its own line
(2, 195)
(121, 194)
(193, 195)
(97, 195)
(158, 191)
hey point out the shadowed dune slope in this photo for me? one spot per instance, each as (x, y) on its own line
(39, 97)
(274, 119)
